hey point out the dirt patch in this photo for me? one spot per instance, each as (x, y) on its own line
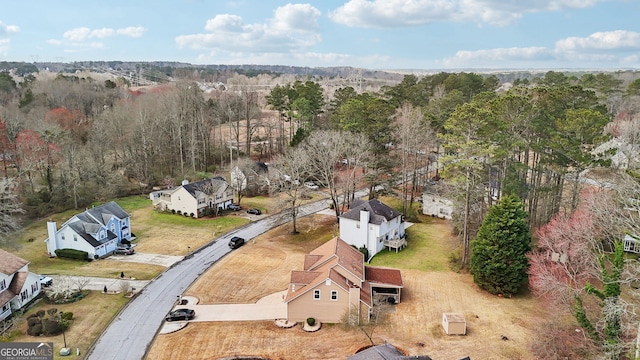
(259, 269)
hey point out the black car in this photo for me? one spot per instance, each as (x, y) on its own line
(180, 314)
(254, 211)
(234, 207)
(236, 242)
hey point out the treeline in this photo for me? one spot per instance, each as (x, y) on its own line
(72, 140)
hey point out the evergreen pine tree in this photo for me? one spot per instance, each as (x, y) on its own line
(498, 261)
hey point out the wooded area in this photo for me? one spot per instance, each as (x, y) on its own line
(67, 140)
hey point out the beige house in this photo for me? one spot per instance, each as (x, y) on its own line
(335, 283)
(18, 286)
(195, 198)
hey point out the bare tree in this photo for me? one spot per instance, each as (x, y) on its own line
(414, 139)
(292, 170)
(9, 209)
(326, 151)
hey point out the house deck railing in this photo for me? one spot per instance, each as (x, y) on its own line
(397, 244)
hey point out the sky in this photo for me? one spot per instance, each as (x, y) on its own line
(370, 34)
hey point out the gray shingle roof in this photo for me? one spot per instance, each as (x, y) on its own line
(378, 211)
(207, 186)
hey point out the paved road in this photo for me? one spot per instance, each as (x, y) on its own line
(131, 333)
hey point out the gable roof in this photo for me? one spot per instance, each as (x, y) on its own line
(18, 282)
(9, 263)
(206, 186)
(386, 276)
(379, 212)
(6, 296)
(384, 352)
(103, 213)
(86, 229)
(322, 264)
(341, 253)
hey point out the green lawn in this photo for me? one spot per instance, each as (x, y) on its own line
(425, 250)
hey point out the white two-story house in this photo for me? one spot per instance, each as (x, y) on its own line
(195, 198)
(98, 231)
(18, 286)
(373, 225)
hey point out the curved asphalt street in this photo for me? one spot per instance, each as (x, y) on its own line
(131, 333)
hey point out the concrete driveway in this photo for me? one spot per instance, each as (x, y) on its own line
(98, 283)
(147, 258)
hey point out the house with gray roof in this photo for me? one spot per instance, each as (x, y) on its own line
(384, 352)
(18, 286)
(373, 225)
(194, 198)
(97, 230)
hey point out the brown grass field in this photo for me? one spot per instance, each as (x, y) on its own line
(260, 269)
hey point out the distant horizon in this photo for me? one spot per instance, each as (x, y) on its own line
(397, 70)
(447, 35)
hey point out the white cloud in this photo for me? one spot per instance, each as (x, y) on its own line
(497, 58)
(5, 32)
(602, 49)
(296, 17)
(85, 33)
(293, 27)
(608, 40)
(132, 31)
(403, 13)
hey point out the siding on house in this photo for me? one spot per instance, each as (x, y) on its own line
(18, 286)
(369, 224)
(194, 198)
(97, 231)
(334, 267)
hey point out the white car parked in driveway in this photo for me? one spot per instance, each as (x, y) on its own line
(311, 185)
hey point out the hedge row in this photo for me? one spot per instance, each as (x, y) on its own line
(72, 254)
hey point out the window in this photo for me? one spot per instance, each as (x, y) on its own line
(316, 294)
(2, 285)
(5, 307)
(103, 234)
(358, 225)
(62, 236)
(334, 295)
(24, 295)
(75, 237)
(113, 227)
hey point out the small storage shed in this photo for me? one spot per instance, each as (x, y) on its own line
(454, 324)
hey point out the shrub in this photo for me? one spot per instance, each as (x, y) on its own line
(51, 327)
(67, 316)
(179, 212)
(35, 330)
(311, 321)
(173, 211)
(192, 215)
(31, 321)
(40, 313)
(72, 254)
(52, 311)
(364, 252)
